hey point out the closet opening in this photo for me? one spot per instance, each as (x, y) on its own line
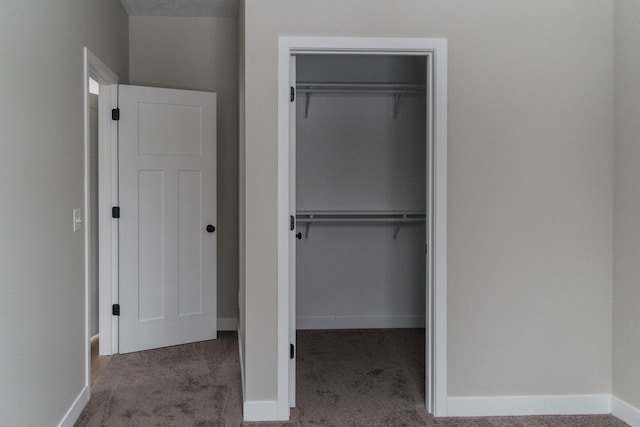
(359, 270)
(362, 220)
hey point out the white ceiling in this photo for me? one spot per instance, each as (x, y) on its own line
(210, 8)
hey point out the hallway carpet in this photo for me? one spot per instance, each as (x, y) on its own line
(345, 378)
(98, 362)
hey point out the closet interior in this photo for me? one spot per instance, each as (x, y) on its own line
(361, 184)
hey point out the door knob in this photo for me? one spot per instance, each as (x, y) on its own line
(299, 236)
(210, 228)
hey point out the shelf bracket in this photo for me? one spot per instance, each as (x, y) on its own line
(396, 104)
(307, 226)
(307, 101)
(396, 230)
(397, 225)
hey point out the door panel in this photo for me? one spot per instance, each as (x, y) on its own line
(169, 129)
(189, 243)
(167, 156)
(151, 246)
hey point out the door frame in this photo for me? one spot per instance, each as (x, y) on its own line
(436, 293)
(108, 196)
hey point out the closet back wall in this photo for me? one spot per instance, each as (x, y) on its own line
(354, 156)
(200, 54)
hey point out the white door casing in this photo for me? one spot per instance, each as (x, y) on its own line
(435, 50)
(97, 70)
(292, 236)
(167, 258)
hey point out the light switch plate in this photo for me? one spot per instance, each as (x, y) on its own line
(77, 219)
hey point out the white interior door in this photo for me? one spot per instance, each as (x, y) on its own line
(167, 180)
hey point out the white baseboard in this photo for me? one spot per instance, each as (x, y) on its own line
(75, 409)
(227, 324)
(261, 410)
(241, 353)
(589, 404)
(626, 412)
(359, 322)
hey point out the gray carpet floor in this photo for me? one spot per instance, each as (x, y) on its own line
(345, 378)
(98, 363)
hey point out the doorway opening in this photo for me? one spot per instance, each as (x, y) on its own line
(100, 96)
(360, 201)
(169, 136)
(98, 362)
(348, 188)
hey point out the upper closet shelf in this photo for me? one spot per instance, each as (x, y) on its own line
(397, 90)
(396, 218)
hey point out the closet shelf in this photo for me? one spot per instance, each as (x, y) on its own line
(394, 89)
(396, 218)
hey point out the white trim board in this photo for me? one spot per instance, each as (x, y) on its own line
(436, 52)
(75, 409)
(260, 410)
(107, 150)
(108, 227)
(359, 322)
(624, 411)
(589, 404)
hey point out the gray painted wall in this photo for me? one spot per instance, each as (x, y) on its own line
(200, 54)
(626, 291)
(42, 309)
(530, 179)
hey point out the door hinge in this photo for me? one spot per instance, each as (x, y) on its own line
(292, 96)
(115, 309)
(115, 114)
(292, 351)
(292, 222)
(426, 248)
(115, 212)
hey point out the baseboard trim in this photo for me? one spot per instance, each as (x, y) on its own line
(227, 324)
(627, 413)
(261, 410)
(75, 409)
(359, 322)
(590, 404)
(241, 353)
